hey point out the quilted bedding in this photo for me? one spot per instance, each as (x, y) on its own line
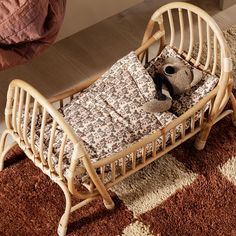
(107, 116)
(27, 27)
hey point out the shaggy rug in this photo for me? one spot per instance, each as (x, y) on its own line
(186, 192)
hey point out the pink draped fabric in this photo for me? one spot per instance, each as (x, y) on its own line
(27, 27)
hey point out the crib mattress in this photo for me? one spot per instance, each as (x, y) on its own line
(108, 117)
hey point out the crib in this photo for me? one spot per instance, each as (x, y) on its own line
(23, 98)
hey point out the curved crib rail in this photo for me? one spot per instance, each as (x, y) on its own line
(170, 17)
(24, 105)
(204, 26)
(25, 101)
(189, 31)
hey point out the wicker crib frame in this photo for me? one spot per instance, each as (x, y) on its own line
(22, 97)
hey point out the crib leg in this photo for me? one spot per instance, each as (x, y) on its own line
(109, 205)
(201, 139)
(3, 149)
(62, 227)
(233, 102)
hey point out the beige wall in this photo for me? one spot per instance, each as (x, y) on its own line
(84, 13)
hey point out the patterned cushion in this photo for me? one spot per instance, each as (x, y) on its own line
(185, 101)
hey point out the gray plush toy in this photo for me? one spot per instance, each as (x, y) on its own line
(173, 77)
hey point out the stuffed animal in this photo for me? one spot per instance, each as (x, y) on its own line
(173, 77)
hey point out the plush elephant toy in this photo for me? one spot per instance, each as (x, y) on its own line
(173, 77)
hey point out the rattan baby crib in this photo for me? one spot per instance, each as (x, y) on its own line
(23, 99)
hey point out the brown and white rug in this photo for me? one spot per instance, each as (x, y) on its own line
(186, 192)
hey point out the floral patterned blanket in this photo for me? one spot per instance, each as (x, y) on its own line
(108, 117)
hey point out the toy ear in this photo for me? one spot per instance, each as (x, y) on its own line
(197, 76)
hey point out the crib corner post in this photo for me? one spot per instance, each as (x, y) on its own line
(62, 229)
(109, 205)
(201, 138)
(63, 223)
(3, 149)
(199, 144)
(2, 144)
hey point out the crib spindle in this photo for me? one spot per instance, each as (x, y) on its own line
(183, 129)
(164, 141)
(172, 28)
(181, 22)
(162, 29)
(200, 41)
(190, 18)
(192, 125)
(154, 148)
(41, 137)
(133, 158)
(26, 118)
(19, 123)
(144, 154)
(61, 154)
(50, 148)
(202, 114)
(215, 56)
(173, 135)
(14, 113)
(208, 47)
(123, 166)
(32, 128)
